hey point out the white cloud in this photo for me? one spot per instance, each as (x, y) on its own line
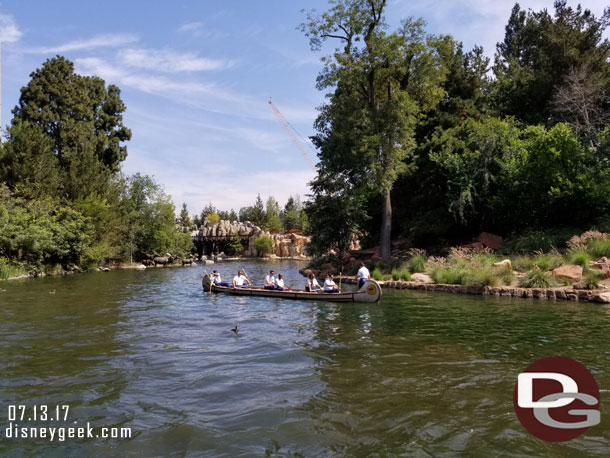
(195, 93)
(168, 61)
(9, 31)
(100, 41)
(200, 30)
(191, 27)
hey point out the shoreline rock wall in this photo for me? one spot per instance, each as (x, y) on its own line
(561, 293)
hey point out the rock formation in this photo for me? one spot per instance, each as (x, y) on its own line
(290, 244)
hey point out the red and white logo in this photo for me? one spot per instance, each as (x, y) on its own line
(556, 399)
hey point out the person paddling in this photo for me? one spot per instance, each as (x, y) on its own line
(217, 280)
(239, 280)
(279, 283)
(312, 284)
(330, 286)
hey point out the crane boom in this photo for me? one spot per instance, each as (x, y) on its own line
(290, 131)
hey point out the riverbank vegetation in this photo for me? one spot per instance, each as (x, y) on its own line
(64, 203)
(486, 268)
(434, 144)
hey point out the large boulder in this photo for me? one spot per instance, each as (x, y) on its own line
(504, 263)
(570, 272)
(495, 242)
(421, 278)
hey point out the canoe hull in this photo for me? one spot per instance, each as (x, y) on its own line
(370, 292)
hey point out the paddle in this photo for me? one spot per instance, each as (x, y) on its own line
(211, 280)
(246, 275)
(340, 278)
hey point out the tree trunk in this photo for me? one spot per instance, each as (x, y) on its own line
(385, 244)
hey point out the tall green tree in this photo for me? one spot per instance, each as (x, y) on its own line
(27, 158)
(185, 219)
(273, 222)
(538, 54)
(258, 212)
(382, 83)
(77, 112)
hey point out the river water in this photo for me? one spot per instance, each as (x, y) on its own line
(419, 374)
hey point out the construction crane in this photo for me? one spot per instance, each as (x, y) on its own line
(291, 132)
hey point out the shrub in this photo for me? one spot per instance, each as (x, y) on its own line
(579, 257)
(8, 269)
(485, 259)
(591, 279)
(264, 245)
(481, 276)
(541, 240)
(599, 247)
(537, 278)
(451, 275)
(377, 275)
(93, 255)
(395, 274)
(213, 218)
(417, 263)
(523, 263)
(405, 275)
(505, 275)
(235, 247)
(548, 261)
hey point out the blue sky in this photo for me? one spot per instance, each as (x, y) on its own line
(196, 76)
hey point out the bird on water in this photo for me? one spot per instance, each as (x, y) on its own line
(235, 330)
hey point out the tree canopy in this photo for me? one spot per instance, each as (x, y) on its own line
(381, 85)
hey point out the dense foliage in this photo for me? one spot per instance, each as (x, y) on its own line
(63, 202)
(461, 151)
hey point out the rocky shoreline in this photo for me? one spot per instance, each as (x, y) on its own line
(567, 293)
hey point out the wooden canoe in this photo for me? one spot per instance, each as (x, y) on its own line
(370, 292)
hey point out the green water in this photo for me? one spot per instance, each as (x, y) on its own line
(419, 374)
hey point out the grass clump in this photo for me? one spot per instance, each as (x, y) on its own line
(548, 261)
(395, 274)
(451, 275)
(523, 263)
(417, 263)
(505, 275)
(591, 279)
(405, 275)
(579, 257)
(480, 277)
(377, 275)
(9, 270)
(537, 278)
(599, 247)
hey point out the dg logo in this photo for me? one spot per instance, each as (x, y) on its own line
(556, 399)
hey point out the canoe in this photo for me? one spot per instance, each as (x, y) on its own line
(370, 292)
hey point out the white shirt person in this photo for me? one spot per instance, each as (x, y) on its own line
(363, 275)
(239, 280)
(270, 280)
(312, 284)
(279, 283)
(330, 286)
